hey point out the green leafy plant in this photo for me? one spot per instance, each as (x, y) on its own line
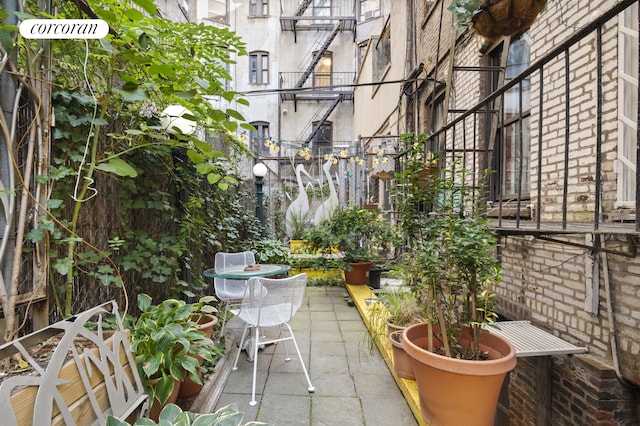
(270, 251)
(463, 11)
(358, 233)
(173, 415)
(167, 344)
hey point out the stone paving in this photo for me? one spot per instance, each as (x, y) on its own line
(353, 384)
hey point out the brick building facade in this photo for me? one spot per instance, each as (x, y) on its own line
(562, 139)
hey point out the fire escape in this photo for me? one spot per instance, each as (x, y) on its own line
(330, 88)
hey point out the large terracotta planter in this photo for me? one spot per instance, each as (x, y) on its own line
(359, 273)
(402, 362)
(454, 391)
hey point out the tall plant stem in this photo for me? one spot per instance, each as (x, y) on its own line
(443, 325)
(86, 181)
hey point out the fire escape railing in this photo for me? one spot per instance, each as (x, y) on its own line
(459, 139)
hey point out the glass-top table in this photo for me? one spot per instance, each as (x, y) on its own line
(238, 272)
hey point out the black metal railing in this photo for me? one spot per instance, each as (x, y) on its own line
(465, 138)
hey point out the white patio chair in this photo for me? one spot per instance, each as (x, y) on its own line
(230, 291)
(271, 302)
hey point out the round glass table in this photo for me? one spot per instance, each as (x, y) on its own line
(238, 272)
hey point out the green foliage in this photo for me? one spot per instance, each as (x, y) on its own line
(359, 233)
(463, 11)
(169, 191)
(173, 415)
(166, 342)
(270, 251)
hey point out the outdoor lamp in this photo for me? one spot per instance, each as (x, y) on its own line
(260, 171)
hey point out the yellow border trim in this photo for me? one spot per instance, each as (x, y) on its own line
(359, 294)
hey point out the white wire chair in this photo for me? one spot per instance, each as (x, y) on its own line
(230, 291)
(269, 302)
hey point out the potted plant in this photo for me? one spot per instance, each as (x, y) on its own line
(395, 310)
(493, 19)
(359, 234)
(167, 346)
(454, 268)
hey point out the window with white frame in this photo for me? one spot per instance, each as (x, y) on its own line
(218, 11)
(259, 67)
(258, 7)
(259, 136)
(369, 9)
(627, 106)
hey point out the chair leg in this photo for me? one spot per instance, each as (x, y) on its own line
(255, 366)
(295, 344)
(287, 358)
(244, 333)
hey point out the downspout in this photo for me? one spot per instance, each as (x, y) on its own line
(612, 327)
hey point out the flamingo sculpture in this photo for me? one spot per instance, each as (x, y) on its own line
(298, 209)
(329, 206)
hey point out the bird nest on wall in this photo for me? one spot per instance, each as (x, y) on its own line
(496, 18)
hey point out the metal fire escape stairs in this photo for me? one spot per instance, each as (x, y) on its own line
(319, 23)
(322, 120)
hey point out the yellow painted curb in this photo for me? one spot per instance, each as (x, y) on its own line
(359, 294)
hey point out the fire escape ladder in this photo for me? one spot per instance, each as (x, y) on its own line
(323, 119)
(318, 55)
(303, 7)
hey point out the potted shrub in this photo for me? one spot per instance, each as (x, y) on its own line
(358, 233)
(452, 266)
(168, 346)
(493, 19)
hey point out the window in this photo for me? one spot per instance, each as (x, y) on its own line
(627, 106)
(259, 136)
(512, 139)
(369, 9)
(218, 11)
(259, 68)
(322, 71)
(321, 7)
(258, 7)
(435, 121)
(323, 140)
(382, 54)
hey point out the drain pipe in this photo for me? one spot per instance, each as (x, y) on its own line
(612, 328)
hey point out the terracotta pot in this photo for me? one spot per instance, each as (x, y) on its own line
(189, 388)
(359, 273)
(454, 391)
(391, 327)
(156, 407)
(402, 363)
(206, 322)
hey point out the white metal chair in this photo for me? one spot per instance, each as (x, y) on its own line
(230, 291)
(269, 302)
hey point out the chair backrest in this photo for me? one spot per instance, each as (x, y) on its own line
(227, 288)
(272, 301)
